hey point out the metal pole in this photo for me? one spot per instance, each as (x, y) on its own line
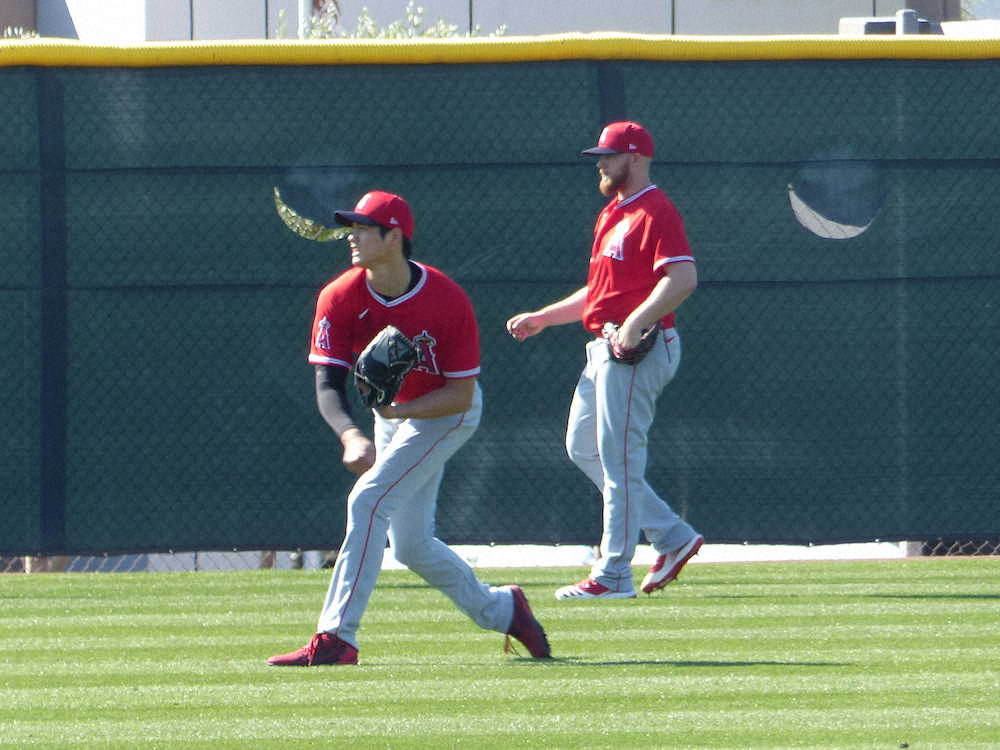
(53, 299)
(305, 17)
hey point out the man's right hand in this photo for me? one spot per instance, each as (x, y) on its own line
(523, 325)
(567, 310)
(359, 452)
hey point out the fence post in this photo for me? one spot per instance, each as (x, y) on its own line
(52, 392)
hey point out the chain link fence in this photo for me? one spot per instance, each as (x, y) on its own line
(837, 380)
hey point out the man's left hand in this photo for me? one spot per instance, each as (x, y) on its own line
(626, 337)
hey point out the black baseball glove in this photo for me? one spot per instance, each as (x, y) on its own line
(383, 364)
(631, 356)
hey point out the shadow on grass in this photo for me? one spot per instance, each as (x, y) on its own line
(524, 583)
(932, 596)
(579, 661)
(836, 595)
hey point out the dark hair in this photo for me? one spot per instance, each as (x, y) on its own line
(407, 243)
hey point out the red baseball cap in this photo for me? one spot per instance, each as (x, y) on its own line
(623, 138)
(379, 209)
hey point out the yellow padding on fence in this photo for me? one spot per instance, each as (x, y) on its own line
(597, 46)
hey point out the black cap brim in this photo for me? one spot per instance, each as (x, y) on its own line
(599, 151)
(349, 218)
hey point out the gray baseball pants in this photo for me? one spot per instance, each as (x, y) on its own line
(613, 408)
(397, 499)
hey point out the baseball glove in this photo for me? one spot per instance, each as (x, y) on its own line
(383, 364)
(631, 356)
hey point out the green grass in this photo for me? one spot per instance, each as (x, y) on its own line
(791, 655)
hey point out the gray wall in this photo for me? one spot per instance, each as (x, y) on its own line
(17, 13)
(127, 21)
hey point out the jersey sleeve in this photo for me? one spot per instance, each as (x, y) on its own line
(460, 357)
(668, 239)
(331, 341)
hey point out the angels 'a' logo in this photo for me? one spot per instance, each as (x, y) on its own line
(426, 360)
(323, 335)
(613, 248)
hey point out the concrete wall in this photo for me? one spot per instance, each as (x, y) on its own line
(132, 21)
(95, 21)
(229, 19)
(168, 20)
(651, 16)
(943, 10)
(54, 19)
(125, 21)
(773, 16)
(17, 13)
(558, 16)
(108, 21)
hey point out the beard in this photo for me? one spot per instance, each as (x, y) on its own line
(612, 181)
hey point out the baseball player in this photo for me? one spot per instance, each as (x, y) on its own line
(641, 270)
(434, 413)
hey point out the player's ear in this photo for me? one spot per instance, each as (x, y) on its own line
(395, 235)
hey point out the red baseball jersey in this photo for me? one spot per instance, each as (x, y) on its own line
(436, 315)
(634, 241)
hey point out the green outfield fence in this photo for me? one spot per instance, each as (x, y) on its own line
(842, 197)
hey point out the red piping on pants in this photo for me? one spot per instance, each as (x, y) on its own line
(628, 418)
(368, 535)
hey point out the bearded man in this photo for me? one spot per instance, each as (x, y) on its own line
(641, 270)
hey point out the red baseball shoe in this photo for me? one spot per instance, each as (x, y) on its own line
(588, 588)
(668, 567)
(323, 648)
(525, 628)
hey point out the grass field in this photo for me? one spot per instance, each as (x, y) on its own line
(759, 655)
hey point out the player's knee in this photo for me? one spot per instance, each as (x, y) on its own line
(578, 454)
(411, 553)
(571, 449)
(362, 502)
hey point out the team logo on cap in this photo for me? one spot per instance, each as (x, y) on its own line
(606, 138)
(623, 138)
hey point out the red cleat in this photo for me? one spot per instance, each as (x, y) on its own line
(667, 567)
(525, 628)
(323, 648)
(588, 588)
